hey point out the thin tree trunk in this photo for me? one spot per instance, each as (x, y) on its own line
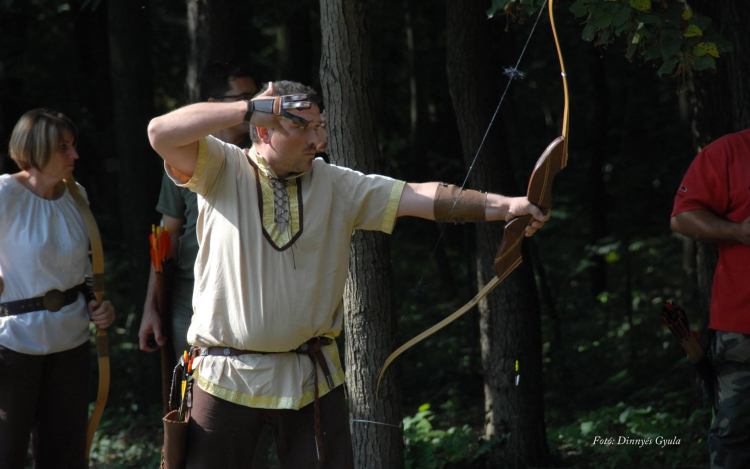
(598, 199)
(213, 37)
(346, 79)
(198, 22)
(510, 318)
(139, 169)
(295, 43)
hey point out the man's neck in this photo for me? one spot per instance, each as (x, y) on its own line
(268, 154)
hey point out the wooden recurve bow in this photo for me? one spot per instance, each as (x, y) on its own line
(102, 343)
(508, 257)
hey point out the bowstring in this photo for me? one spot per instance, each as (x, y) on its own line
(512, 74)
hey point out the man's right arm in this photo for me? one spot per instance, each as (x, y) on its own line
(707, 227)
(175, 136)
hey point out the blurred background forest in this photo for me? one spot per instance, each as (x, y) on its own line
(602, 267)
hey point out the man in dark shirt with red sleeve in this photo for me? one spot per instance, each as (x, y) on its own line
(712, 205)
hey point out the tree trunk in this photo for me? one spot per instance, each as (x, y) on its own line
(598, 199)
(510, 320)
(139, 169)
(198, 22)
(346, 79)
(295, 43)
(214, 37)
(132, 97)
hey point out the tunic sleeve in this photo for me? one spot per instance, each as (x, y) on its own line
(372, 200)
(211, 165)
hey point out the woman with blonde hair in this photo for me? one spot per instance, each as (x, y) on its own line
(45, 304)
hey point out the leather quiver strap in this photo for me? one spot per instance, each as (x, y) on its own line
(175, 441)
(469, 207)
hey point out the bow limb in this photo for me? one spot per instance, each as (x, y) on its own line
(564, 75)
(102, 343)
(508, 257)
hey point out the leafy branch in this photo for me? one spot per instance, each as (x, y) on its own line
(666, 32)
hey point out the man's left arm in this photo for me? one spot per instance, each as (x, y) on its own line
(418, 200)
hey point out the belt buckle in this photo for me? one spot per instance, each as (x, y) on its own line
(53, 300)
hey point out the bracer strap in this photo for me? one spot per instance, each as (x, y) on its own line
(454, 205)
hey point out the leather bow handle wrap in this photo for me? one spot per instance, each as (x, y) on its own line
(508, 257)
(539, 193)
(102, 343)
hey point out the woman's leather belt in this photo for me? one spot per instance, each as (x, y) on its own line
(311, 348)
(53, 301)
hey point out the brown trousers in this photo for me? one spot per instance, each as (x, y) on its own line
(44, 397)
(223, 434)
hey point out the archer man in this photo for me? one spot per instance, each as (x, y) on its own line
(274, 228)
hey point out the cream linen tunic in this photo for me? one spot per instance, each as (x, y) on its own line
(44, 245)
(267, 285)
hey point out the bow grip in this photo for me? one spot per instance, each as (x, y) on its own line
(552, 161)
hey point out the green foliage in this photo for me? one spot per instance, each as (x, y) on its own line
(429, 448)
(665, 32)
(624, 436)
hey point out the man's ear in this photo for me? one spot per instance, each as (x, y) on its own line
(264, 135)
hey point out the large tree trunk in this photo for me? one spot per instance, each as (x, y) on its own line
(346, 79)
(510, 317)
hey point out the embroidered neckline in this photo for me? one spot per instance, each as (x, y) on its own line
(266, 168)
(279, 203)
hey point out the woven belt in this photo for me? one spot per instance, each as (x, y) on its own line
(311, 348)
(53, 301)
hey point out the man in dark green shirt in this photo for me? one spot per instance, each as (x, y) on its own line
(220, 82)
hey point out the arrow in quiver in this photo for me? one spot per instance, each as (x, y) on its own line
(674, 317)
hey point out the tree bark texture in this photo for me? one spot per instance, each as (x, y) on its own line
(719, 104)
(214, 36)
(370, 326)
(199, 30)
(510, 317)
(295, 43)
(138, 167)
(132, 97)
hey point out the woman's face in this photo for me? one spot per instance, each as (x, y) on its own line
(62, 161)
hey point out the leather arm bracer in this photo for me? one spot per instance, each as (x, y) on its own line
(469, 208)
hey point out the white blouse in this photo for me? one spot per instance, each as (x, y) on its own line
(44, 245)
